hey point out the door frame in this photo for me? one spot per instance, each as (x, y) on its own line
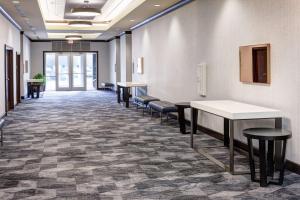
(97, 62)
(11, 104)
(18, 76)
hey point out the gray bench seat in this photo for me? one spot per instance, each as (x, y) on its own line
(107, 86)
(163, 107)
(144, 101)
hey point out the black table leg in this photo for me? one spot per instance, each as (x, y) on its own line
(251, 159)
(181, 119)
(194, 120)
(126, 96)
(28, 90)
(283, 163)
(226, 132)
(38, 91)
(262, 163)
(278, 145)
(118, 94)
(270, 158)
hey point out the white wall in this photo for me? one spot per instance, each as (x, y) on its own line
(113, 61)
(26, 57)
(37, 49)
(126, 57)
(9, 35)
(212, 31)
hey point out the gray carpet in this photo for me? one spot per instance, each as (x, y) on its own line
(83, 145)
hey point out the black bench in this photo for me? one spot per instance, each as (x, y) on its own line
(143, 101)
(163, 107)
(266, 159)
(108, 86)
(1, 127)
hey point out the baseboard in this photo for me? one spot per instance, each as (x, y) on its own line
(290, 165)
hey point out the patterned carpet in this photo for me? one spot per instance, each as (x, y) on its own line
(83, 145)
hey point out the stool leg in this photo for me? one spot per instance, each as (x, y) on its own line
(161, 117)
(1, 137)
(251, 159)
(270, 158)
(151, 112)
(262, 163)
(143, 110)
(283, 163)
(167, 116)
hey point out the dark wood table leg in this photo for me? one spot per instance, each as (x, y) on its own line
(251, 159)
(231, 146)
(262, 163)
(181, 119)
(118, 94)
(38, 87)
(194, 120)
(126, 96)
(226, 132)
(278, 145)
(28, 90)
(283, 163)
(270, 158)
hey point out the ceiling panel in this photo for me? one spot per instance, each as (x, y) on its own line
(117, 16)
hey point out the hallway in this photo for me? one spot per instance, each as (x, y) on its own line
(83, 145)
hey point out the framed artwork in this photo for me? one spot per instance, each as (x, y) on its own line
(255, 64)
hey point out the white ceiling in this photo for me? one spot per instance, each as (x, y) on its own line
(47, 19)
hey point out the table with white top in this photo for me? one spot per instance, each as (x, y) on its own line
(125, 86)
(231, 111)
(31, 83)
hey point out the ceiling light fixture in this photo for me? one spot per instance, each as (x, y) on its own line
(80, 24)
(86, 12)
(156, 5)
(132, 20)
(73, 37)
(16, 2)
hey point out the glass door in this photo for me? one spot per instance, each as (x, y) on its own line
(63, 72)
(78, 71)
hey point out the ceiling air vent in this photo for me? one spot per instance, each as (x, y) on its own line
(75, 46)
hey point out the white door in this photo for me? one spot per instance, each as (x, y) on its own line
(70, 72)
(78, 71)
(63, 72)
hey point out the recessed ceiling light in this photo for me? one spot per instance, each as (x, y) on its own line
(73, 37)
(87, 12)
(16, 2)
(132, 20)
(80, 24)
(157, 5)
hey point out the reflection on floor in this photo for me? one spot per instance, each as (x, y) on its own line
(83, 145)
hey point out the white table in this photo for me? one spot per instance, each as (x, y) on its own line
(37, 83)
(232, 111)
(126, 86)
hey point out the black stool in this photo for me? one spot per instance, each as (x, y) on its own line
(266, 159)
(180, 108)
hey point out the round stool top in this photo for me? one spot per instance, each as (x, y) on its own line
(183, 104)
(267, 133)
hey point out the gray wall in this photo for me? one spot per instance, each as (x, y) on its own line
(212, 31)
(37, 49)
